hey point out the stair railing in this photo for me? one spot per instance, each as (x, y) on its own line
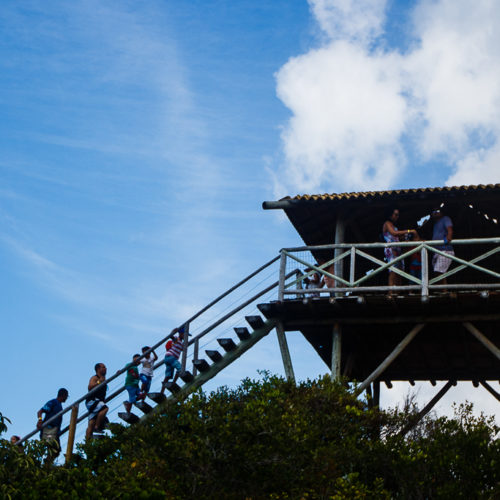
(187, 343)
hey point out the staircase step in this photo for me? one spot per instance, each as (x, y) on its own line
(242, 332)
(187, 377)
(143, 406)
(201, 365)
(157, 397)
(130, 418)
(172, 387)
(255, 322)
(214, 355)
(227, 344)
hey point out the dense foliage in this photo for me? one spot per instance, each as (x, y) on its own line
(271, 439)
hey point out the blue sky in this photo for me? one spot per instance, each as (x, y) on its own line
(139, 139)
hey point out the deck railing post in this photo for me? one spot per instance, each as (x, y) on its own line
(425, 273)
(352, 272)
(185, 342)
(71, 432)
(281, 287)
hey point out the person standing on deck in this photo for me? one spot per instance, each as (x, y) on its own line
(442, 230)
(392, 234)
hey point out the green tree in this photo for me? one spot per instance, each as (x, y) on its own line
(271, 439)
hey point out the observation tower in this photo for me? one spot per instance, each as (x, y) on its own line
(420, 330)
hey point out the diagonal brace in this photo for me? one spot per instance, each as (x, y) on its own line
(427, 408)
(463, 266)
(483, 339)
(320, 268)
(490, 389)
(387, 361)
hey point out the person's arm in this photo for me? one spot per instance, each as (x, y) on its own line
(44, 409)
(155, 356)
(93, 382)
(449, 234)
(389, 227)
(40, 419)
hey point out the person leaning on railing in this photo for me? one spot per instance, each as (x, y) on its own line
(392, 234)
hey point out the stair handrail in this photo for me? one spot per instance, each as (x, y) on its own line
(193, 340)
(146, 353)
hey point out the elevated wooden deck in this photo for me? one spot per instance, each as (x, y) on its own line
(374, 324)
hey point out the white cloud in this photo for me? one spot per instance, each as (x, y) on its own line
(357, 20)
(455, 73)
(355, 104)
(478, 167)
(336, 123)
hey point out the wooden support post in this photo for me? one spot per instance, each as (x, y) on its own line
(339, 238)
(387, 361)
(281, 286)
(71, 432)
(490, 389)
(185, 342)
(483, 339)
(428, 407)
(285, 353)
(336, 351)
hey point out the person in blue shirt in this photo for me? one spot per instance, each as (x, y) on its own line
(442, 230)
(50, 431)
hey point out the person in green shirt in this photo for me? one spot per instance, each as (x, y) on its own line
(132, 382)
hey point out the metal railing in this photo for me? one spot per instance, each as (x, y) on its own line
(193, 343)
(359, 279)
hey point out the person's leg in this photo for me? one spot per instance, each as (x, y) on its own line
(169, 371)
(148, 385)
(101, 417)
(90, 429)
(441, 265)
(50, 436)
(392, 278)
(178, 369)
(132, 397)
(92, 408)
(144, 385)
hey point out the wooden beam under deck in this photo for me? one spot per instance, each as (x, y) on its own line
(444, 350)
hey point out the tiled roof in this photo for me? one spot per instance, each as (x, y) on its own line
(389, 194)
